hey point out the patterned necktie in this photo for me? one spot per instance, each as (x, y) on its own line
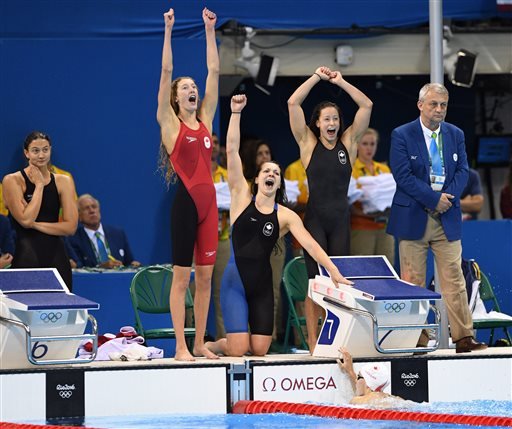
(437, 166)
(102, 250)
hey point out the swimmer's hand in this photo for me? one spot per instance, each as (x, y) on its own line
(337, 278)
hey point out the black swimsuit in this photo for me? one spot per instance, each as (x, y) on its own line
(247, 294)
(327, 215)
(35, 249)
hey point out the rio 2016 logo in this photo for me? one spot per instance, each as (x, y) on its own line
(66, 391)
(410, 379)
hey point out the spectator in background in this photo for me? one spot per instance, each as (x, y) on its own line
(220, 176)
(95, 244)
(34, 197)
(506, 197)
(222, 158)
(368, 230)
(6, 242)
(254, 154)
(296, 172)
(327, 151)
(472, 199)
(3, 209)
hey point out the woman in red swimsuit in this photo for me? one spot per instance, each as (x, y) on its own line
(186, 147)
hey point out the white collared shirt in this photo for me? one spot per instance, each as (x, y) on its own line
(427, 135)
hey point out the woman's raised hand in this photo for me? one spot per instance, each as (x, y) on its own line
(323, 72)
(35, 175)
(169, 18)
(238, 103)
(209, 18)
(336, 77)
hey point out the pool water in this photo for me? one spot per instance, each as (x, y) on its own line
(255, 421)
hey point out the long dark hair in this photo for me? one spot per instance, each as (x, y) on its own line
(36, 135)
(316, 115)
(281, 197)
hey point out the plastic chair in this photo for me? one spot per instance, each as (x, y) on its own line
(487, 295)
(295, 280)
(150, 290)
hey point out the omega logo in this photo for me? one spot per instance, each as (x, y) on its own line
(294, 384)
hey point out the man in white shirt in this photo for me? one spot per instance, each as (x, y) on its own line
(95, 244)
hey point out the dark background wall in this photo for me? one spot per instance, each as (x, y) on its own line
(394, 98)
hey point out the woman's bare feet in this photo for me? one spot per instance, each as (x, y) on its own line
(184, 355)
(217, 347)
(204, 351)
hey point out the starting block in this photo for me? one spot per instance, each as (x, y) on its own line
(41, 322)
(379, 314)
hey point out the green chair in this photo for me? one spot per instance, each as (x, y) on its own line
(150, 290)
(295, 280)
(487, 295)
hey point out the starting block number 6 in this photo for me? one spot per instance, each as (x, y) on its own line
(39, 350)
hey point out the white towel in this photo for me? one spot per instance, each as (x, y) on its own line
(223, 195)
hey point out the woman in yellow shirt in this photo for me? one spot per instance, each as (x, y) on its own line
(368, 230)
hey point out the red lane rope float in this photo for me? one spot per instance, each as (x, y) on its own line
(6, 425)
(263, 407)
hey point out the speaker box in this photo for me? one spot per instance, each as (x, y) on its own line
(465, 68)
(267, 71)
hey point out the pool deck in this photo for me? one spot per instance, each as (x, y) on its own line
(166, 386)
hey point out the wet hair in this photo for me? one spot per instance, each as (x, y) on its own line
(174, 90)
(36, 135)
(281, 197)
(164, 164)
(316, 115)
(434, 87)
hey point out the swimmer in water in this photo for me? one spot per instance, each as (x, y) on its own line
(368, 383)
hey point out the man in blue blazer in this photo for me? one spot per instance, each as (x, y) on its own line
(428, 161)
(95, 244)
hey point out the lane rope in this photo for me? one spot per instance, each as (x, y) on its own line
(264, 407)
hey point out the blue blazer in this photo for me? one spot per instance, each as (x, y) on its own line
(410, 165)
(81, 250)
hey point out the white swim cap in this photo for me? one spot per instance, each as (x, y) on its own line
(376, 376)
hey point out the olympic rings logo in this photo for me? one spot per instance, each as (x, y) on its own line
(394, 307)
(410, 382)
(65, 394)
(50, 317)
